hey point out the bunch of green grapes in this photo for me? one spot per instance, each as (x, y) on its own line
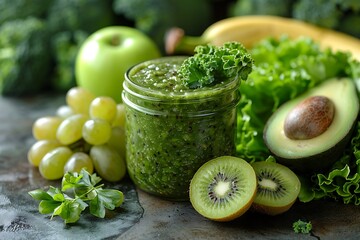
(88, 132)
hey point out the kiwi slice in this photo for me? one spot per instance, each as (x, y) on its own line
(223, 188)
(277, 190)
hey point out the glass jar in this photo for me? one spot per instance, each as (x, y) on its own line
(172, 130)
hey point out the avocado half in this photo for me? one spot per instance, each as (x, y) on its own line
(322, 151)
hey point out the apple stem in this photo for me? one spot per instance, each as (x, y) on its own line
(115, 40)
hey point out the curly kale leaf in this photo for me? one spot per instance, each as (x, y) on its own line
(302, 226)
(342, 182)
(211, 65)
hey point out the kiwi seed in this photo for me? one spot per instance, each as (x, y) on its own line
(223, 188)
(277, 190)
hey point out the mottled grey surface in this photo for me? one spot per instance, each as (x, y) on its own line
(142, 216)
(19, 216)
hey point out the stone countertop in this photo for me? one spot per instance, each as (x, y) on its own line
(141, 216)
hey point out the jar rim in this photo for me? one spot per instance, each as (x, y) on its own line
(192, 95)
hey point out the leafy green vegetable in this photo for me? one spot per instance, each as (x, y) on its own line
(65, 46)
(342, 181)
(336, 14)
(210, 64)
(283, 70)
(87, 192)
(324, 13)
(72, 15)
(351, 24)
(302, 226)
(25, 62)
(21, 9)
(339, 15)
(155, 17)
(262, 7)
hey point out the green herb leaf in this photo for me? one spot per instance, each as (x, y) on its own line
(111, 198)
(70, 210)
(97, 207)
(211, 65)
(48, 206)
(40, 194)
(70, 180)
(86, 193)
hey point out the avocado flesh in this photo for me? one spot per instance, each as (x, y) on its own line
(322, 151)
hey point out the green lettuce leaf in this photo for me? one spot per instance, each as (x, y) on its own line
(283, 69)
(342, 182)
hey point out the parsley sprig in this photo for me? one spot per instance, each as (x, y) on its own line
(78, 191)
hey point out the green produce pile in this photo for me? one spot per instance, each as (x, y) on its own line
(283, 69)
(39, 40)
(341, 15)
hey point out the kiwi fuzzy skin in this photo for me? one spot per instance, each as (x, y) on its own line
(276, 208)
(272, 211)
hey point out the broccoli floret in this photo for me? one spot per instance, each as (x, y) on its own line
(25, 62)
(18, 9)
(324, 13)
(156, 17)
(65, 46)
(349, 5)
(87, 15)
(261, 7)
(350, 24)
(302, 226)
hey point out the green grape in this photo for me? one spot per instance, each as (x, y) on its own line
(52, 165)
(118, 140)
(103, 108)
(64, 111)
(45, 128)
(120, 117)
(96, 131)
(108, 163)
(70, 130)
(38, 150)
(78, 161)
(79, 99)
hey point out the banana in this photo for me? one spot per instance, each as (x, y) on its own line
(251, 29)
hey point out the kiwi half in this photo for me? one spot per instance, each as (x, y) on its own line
(277, 190)
(223, 188)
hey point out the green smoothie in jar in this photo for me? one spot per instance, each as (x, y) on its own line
(176, 120)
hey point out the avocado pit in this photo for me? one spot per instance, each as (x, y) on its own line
(310, 118)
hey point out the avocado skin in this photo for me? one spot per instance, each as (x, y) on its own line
(319, 162)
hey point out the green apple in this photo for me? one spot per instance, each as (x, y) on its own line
(107, 54)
